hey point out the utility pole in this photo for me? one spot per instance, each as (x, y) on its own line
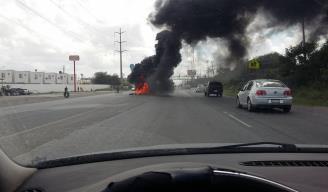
(120, 52)
(303, 30)
(303, 42)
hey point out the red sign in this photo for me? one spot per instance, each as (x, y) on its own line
(74, 58)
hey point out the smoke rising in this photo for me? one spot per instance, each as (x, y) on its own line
(192, 21)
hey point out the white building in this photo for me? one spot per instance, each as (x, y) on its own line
(70, 79)
(36, 77)
(50, 78)
(7, 76)
(21, 76)
(61, 78)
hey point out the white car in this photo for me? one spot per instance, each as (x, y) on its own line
(265, 93)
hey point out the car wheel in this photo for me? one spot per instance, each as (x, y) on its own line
(287, 109)
(238, 103)
(250, 107)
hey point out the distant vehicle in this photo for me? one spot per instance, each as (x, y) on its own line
(5, 90)
(200, 88)
(17, 91)
(23, 91)
(213, 88)
(13, 92)
(265, 93)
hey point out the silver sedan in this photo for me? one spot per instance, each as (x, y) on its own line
(265, 93)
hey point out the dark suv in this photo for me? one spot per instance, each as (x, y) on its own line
(214, 88)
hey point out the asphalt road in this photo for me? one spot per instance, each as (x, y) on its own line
(65, 127)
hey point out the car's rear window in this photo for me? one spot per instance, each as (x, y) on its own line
(270, 84)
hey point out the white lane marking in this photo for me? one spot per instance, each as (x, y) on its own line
(236, 119)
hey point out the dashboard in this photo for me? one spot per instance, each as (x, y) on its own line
(294, 171)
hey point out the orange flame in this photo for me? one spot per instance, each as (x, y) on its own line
(142, 89)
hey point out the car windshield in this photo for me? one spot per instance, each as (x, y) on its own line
(94, 76)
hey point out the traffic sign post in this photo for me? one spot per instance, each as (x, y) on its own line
(74, 58)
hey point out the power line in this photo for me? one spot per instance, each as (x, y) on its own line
(88, 11)
(25, 6)
(83, 23)
(17, 23)
(36, 34)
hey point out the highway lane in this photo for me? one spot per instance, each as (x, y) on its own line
(66, 127)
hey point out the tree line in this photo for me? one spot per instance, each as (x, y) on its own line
(300, 66)
(104, 78)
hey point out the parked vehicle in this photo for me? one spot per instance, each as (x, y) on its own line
(265, 93)
(23, 91)
(14, 91)
(213, 88)
(5, 90)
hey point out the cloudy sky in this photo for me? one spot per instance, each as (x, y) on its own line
(41, 34)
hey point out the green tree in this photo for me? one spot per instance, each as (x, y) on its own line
(114, 80)
(104, 78)
(100, 78)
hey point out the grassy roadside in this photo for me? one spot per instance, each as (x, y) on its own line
(302, 96)
(311, 96)
(230, 90)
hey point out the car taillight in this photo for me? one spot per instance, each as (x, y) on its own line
(260, 92)
(288, 93)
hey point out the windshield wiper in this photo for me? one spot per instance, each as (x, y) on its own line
(283, 146)
(258, 147)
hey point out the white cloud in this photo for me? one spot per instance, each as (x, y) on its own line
(41, 34)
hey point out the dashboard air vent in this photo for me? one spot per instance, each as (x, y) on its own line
(33, 190)
(286, 163)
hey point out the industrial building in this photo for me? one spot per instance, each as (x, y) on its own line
(27, 77)
(7, 76)
(21, 77)
(36, 77)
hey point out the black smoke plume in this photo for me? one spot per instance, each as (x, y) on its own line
(192, 21)
(158, 68)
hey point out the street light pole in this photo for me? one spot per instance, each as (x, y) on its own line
(74, 77)
(74, 58)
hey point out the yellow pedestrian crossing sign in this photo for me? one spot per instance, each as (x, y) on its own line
(254, 64)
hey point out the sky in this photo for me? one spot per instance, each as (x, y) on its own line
(41, 34)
